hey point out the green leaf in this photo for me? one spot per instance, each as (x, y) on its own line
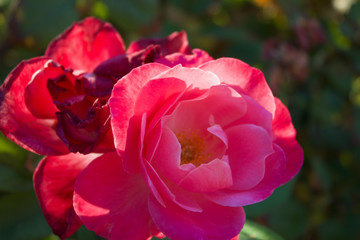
(254, 231)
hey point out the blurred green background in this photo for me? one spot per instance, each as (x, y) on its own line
(309, 52)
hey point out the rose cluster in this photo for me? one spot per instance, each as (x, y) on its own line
(153, 140)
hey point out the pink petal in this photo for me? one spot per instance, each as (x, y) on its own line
(195, 59)
(85, 45)
(161, 188)
(17, 122)
(255, 114)
(220, 105)
(154, 100)
(208, 177)
(243, 78)
(249, 145)
(214, 223)
(37, 96)
(167, 157)
(175, 42)
(274, 173)
(162, 191)
(54, 180)
(157, 97)
(284, 133)
(193, 77)
(111, 202)
(124, 95)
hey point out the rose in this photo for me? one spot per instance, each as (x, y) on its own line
(194, 145)
(58, 103)
(66, 91)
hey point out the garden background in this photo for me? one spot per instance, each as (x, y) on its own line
(309, 52)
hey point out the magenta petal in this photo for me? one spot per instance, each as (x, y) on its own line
(195, 59)
(167, 156)
(213, 223)
(54, 180)
(175, 42)
(220, 105)
(157, 97)
(243, 78)
(111, 202)
(86, 44)
(37, 96)
(274, 173)
(17, 122)
(249, 145)
(284, 133)
(193, 77)
(208, 177)
(257, 115)
(124, 95)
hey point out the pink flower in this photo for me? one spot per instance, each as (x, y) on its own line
(58, 103)
(193, 145)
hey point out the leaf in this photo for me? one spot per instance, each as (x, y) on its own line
(254, 231)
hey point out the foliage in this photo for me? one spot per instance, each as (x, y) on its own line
(310, 54)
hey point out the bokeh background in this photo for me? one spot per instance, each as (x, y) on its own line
(309, 52)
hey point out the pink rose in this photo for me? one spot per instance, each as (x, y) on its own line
(194, 145)
(58, 103)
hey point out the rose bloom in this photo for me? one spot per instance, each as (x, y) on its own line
(58, 103)
(194, 145)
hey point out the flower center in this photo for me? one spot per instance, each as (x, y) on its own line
(193, 148)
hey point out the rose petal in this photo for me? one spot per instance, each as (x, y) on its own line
(249, 145)
(274, 173)
(167, 157)
(120, 65)
(159, 94)
(157, 97)
(91, 134)
(208, 177)
(16, 121)
(124, 95)
(255, 114)
(37, 97)
(85, 45)
(214, 223)
(284, 133)
(54, 180)
(122, 210)
(193, 77)
(243, 78)
(175, 42)
(195, 59)
(220, 105)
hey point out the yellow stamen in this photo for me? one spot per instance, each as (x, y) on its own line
(193, 148)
